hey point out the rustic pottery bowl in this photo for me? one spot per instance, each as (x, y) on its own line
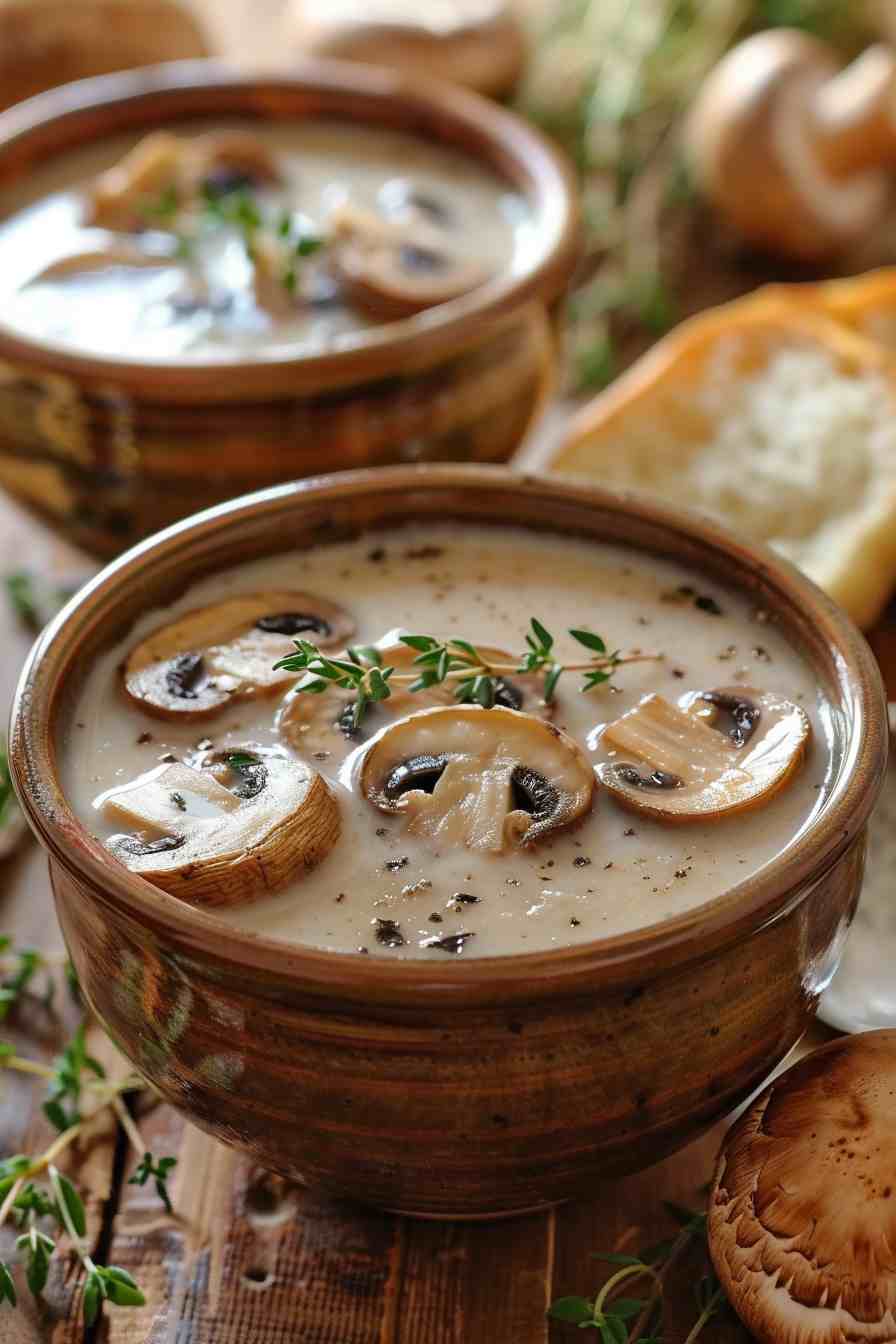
(112, 449)
(481, 1087)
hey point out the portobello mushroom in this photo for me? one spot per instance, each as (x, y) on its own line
(321, 726)
(713, 754)
(236, 826)
(489, 779)
(226, 652)
(392, 269)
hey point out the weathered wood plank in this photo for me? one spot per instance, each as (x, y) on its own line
(254, 1259)
(476, 1281)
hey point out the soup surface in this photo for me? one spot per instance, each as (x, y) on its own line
(384, 889)
(183, 286)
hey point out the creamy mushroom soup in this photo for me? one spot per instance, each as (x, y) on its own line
(437, 829)
(249, 240)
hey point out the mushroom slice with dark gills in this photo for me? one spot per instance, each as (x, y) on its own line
(322, 726)
(227, 161)
(393, 269)
(713, 754)
(237, 826)
(178, 170)
(226, 652)
(489, 779)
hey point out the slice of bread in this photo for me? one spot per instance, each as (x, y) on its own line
(775, 418)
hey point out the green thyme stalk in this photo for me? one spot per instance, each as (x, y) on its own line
(622, 1318)
(476, 679)
(33, 1191)
(239, 210)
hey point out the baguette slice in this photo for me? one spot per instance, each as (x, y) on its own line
(773, 417)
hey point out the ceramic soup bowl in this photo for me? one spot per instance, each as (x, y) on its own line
(467, 1087)
(112, 446)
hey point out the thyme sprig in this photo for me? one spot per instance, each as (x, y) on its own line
(78, 1091)
(623, 1319)
(478, 680)
(238, 209)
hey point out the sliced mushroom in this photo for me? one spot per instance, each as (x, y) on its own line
(802, 1213)
(226, 652)
(239, 826)
(186, 167)
(392, 269)
(714, 754)
(229, 161)
(322, 726)
(485, 778)
(101, 259)
(118, 197)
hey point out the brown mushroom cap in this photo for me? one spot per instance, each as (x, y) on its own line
(187, 165)
(392, 269)
(223, 833)
(318, 726)
(485, 778)
(225, 652)
(792, 150)
(802, 1216)
(714, 754)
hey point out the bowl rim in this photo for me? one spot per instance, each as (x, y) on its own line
(46, 125)
(749, 906)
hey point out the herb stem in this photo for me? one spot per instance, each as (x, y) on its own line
(513, 669)
(708, 1311)
(621, 1275)
(65, 1215)
(676, 1250)
(11, 1196)
(129, 1125)
(20, 1065)
(59, 1144)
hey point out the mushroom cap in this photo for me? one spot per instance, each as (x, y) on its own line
(754, 147)
(314, 725)
(394, 268)
(802, 1215)
(701, 769)
(484, 778)
(225, 652)
(211, 844)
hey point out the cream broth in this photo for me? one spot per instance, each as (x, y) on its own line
(612, 873)
(163, 307)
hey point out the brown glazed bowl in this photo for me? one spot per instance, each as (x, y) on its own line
(473, 1088)
(112, 449)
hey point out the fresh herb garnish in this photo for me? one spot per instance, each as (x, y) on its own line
(33, 600)
(33, 1189)
(623, 1319)
(453, 660)
(159, 1172)
(237, 208)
